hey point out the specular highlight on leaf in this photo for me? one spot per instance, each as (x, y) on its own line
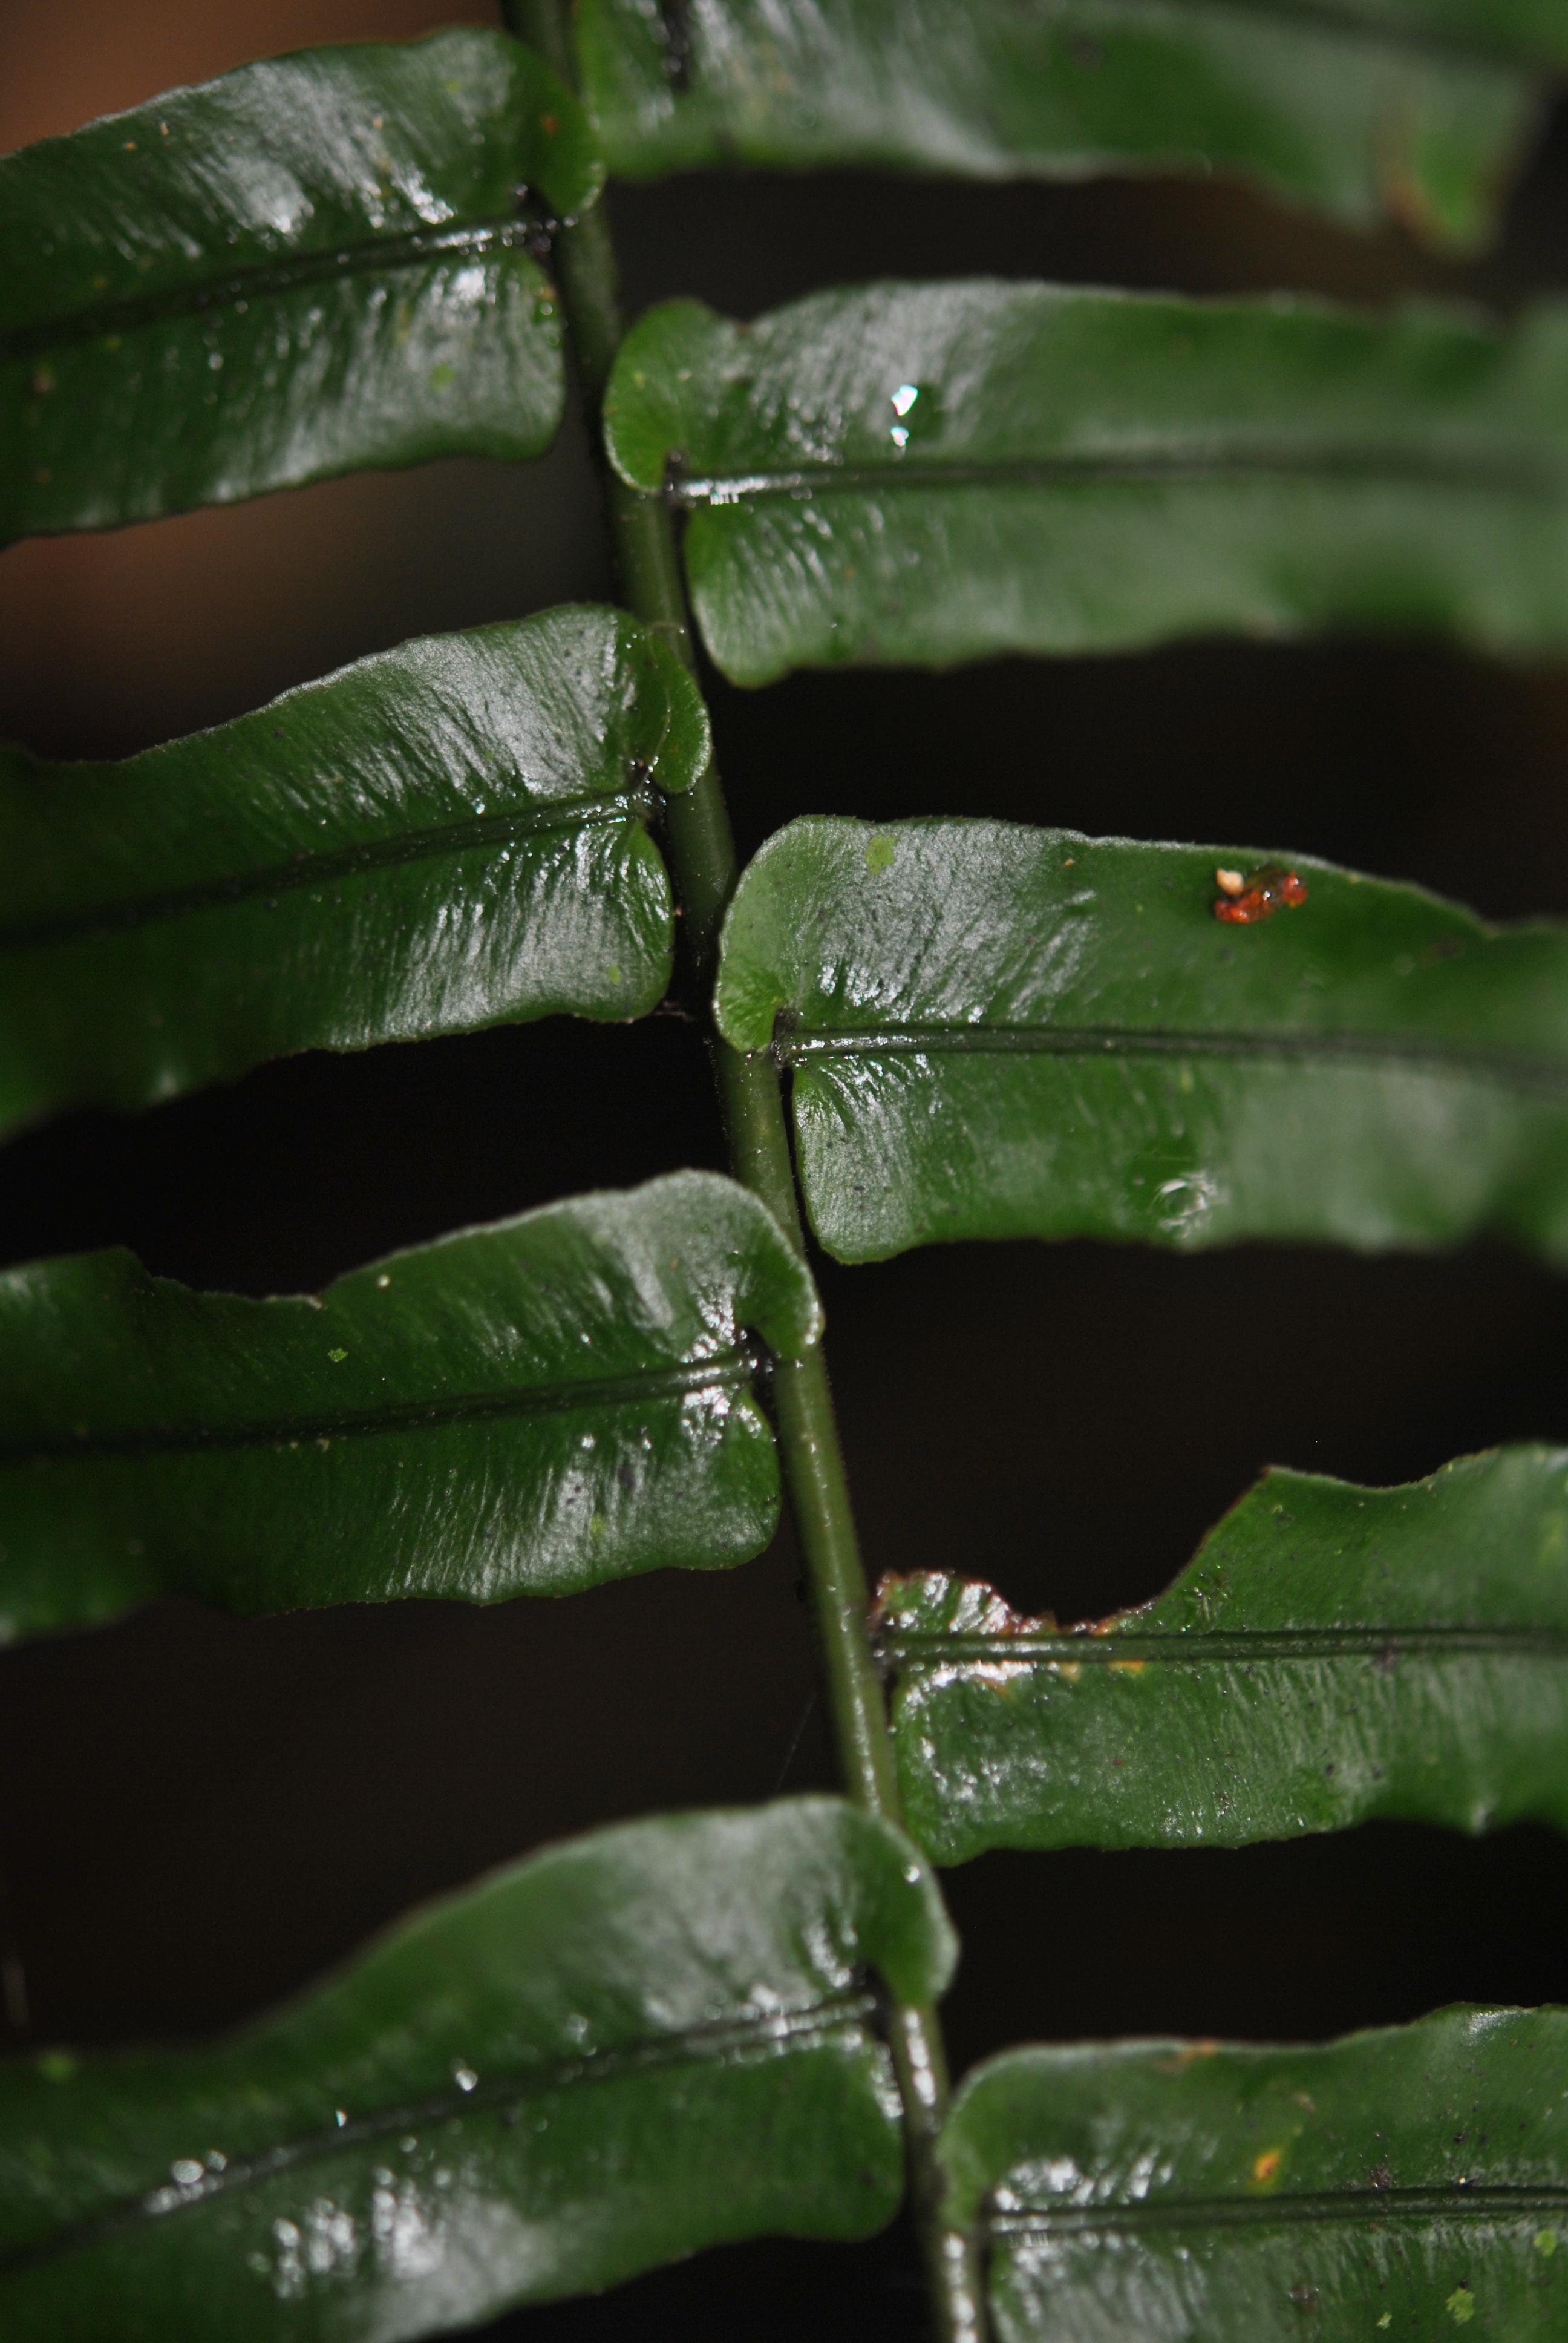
(1330, 1654)
(308, 266)
(996, 1032)
(533, 1407)
(654, 2038)
(925, 473)
(1402, 2181)
(446, 835)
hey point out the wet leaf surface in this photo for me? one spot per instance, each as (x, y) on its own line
(1003, 1032)
(925, 473)
(1329, 1655)
(654, 2038)
(311, 265)
(1323, 113)
(1399, 2182)
(528, 1408)
(447, 836)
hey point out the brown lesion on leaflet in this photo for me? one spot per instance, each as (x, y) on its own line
(984, 1625)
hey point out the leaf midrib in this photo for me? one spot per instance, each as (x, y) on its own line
(307, 870)
(266, 280)
(794, 1047)
(1314, 2207)
(728, 1369)
(726, 2042)
(1195, 1647)
(1514, 477)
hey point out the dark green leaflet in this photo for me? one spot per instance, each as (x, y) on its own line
(1531, 31)
(1316, 110)
(934, 473)
(651, 2040)
(447, 836)
(1404, 2182)
(308, 266)
(1001, 1031)
(1330, 1654)
(529, 1408)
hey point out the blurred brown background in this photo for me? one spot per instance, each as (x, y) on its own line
(199, 1813)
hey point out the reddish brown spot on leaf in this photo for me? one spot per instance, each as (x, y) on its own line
(1259, 896)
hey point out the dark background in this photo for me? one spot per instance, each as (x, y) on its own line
(198, 1813)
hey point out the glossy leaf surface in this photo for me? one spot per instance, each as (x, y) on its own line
(998, 1032)
(310, 265)
(447, 836)
(1315, 110)
(651, 2040)
(934, 473)
(528, 1408)
(1329, 1654)
(1403, 2182)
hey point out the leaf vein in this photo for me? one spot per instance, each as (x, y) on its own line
(1434, 1054)
(462, 240)
(932, 1649)
(311, 869)
(1456, 2201)
(726, 1370)
(726, 2043)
